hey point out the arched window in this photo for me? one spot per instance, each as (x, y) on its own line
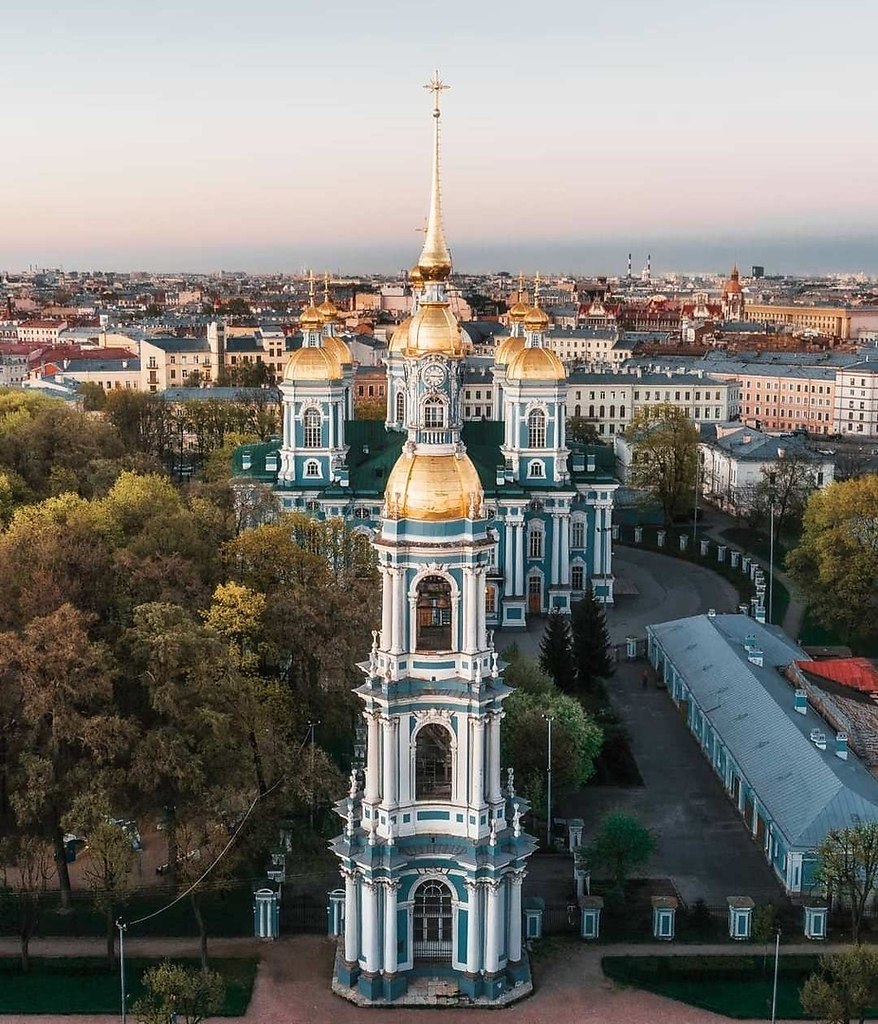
(591, 412)
(577, 410)
(601, 413)
(621, 412)
(577, 533)
(432, 937)
(434, 413)
(490, 600)
(536, 429)
(535, 542)
(312, 469)
(612, 412)
(312, 423)
(434, 763)
(536, 469)
(434, 614)
(400, 406)
(577, 577)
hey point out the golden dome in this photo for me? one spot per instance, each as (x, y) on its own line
(310, 318)
(434, 329)
(433, 487)
(400, 336)
(328, 311)
(338, 348)
(416, 278)
(313, 364)
(518, 312)
(507, 348)
(536, 321)
(535, 364)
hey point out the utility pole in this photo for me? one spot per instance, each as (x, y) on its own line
(312, 726)
(771, 566)
(774, 990)
(549, 721)
(121, 927)
(697, 486)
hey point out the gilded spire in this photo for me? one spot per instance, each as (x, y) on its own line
(435, 261)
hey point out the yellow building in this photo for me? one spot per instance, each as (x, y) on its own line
(827, 320)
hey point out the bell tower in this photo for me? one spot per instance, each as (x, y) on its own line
(432, 853)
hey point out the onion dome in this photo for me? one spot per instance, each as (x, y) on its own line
(327, 309)
(433, 488)
(518, 312)
(416, 278)
(399, 338)
(507, 348)
(536, 321)
(313, 364)
(535, 364)
(733, 285)
(310, 319)
(434, 329)
(339, 348)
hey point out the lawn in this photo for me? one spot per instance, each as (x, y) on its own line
(736, 986)
(65, 985)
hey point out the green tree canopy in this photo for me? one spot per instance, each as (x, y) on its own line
(621, 845)
(664, 443)
(836, 562)
(849, 868)
(590, 643)
(844, 988)
(556, 653)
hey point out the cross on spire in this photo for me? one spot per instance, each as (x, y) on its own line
(436, 86)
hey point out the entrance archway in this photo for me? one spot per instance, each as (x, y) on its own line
(534, 594)
(432, 931)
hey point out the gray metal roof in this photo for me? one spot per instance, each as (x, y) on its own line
(806, 791)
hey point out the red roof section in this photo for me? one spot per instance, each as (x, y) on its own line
(856, 673)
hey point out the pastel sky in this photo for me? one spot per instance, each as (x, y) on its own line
(268, 135)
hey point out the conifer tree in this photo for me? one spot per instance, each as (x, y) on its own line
(556, 653)
(590, 642)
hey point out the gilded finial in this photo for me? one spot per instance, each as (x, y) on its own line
(537, 291)
(435, 261)
(326, 287)
(311, 288)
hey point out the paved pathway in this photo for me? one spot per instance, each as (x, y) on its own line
(292, 987)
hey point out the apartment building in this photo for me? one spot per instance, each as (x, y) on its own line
(40, 332)
(834, 321)
(856, 400)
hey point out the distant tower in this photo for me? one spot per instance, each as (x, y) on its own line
(733, 297)
(646, 274)
(629, 275)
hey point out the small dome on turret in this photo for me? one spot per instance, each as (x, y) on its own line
(535, 364)
(433, 488)
(307, 364)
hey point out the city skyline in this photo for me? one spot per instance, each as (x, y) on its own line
(271, 139)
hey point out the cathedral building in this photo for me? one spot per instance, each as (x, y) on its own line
(547, 503)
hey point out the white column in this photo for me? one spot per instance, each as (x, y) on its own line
(351, 918)
(495, 795)
(598, 539)
(556, 549)
(513, 944)
(477, 796)
(390, 960)
(473, 929)
(386, 609)
(371, 950)
(398, 613)
(608, 542)
(508, 551)
(373, 754)
(519, 559)
(389, 781)
(479, 588)
(564, 522)
(469, 625)
(493, 927)
(404, 794)
(400, 603)
(330, 438)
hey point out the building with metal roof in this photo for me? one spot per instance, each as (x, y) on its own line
(791, 776)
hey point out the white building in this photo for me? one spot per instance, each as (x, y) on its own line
(856, 400)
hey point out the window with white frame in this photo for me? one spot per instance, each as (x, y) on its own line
(577, 533)
(536, 429)
(400, 406)
(434, 413)
(536, 469)
(490, 600)
(535, 542)
(312, 469)
(311, 421)
(577, 577)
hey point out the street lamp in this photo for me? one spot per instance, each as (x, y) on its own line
(549, 719)
(312, 726)
(774, 990)
(771, 567)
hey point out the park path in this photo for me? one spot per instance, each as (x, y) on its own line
(292, 984)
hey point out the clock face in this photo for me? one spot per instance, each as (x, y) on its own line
(434, 375)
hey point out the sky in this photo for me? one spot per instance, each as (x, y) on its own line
(273, 136)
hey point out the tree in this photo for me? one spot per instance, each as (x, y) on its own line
(175, 992)
(583, 430)
(523, 673)
(764, 927)
(94, 398)
(576, 742)
(621, 845)
(836, 562)
(590, 643)
(844, 988)
(785, 487)
(556, 655)
(143, 421)
(664, 458)
(849, 868)
(67, 722)
(31, 857)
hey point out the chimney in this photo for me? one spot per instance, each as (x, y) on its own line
(801, 704)
(754, 656)
(841, 745)
(749, 641)
(818, 738)
(711, 613)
